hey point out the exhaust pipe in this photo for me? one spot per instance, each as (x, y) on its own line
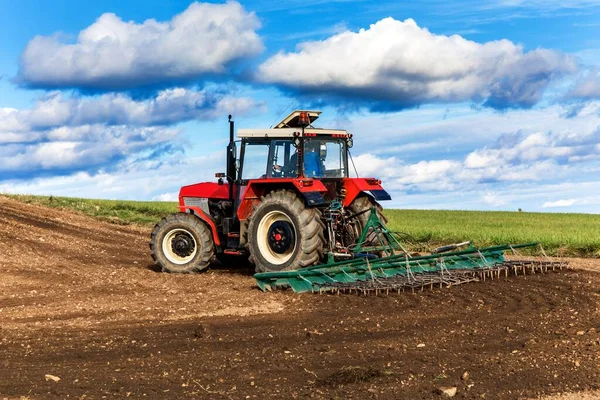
(231, 158)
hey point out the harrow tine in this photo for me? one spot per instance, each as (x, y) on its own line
(441, 277)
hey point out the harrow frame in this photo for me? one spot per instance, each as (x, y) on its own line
(397, 272)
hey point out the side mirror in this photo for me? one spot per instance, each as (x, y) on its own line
(349, 143)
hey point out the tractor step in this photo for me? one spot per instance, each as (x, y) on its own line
(234, 252)
(233, 241)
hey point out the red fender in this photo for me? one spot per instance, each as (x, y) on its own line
(356, 186)
(257, 188)
(205, 218)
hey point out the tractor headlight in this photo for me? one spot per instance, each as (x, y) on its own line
(349, 143)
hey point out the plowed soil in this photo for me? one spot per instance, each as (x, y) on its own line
(84, 314)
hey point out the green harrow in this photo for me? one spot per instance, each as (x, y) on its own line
(387, 267)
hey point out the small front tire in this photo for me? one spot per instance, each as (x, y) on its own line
(181, 243)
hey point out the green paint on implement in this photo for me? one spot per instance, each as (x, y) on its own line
(376, 231)
(380, 262)
(329, 276)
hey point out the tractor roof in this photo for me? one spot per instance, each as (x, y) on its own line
(291, 121)
(289, 126)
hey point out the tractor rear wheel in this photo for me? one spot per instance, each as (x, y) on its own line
(362, 206)
(181, 243)
(283, 234)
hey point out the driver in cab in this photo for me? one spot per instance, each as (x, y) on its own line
(313, 165)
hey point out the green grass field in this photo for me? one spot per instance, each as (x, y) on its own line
(566, 234)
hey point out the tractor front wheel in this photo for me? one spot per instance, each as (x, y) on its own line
(181, 243)
(283, 234)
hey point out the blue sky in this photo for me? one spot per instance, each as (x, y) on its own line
(455, 105)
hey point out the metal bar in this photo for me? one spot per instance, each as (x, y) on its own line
(358, 261)
(390, 261)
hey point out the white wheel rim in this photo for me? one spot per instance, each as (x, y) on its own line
(263, 238)
(167, 247)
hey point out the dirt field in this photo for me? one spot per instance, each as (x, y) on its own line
(80, 301)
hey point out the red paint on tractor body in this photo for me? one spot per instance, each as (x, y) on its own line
(204, 217)
(356, 186)
(255, 189)
(207, 190)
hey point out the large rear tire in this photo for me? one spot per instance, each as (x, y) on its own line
(181, 243)
(283, 234)
(362, 206)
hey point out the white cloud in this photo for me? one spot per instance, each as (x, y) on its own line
(587, 86)
(559, 203)
(61, 134)
(398, 64)
(171, 196)
(370, 165)
(566, 146)
(139, 180)
(116, 54)
(493, 199)
(519, 195)
(434, 172)
(169, 106)
(519, 157)
(86, 147)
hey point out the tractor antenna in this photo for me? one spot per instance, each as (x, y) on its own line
(352, 161)
(283, 112)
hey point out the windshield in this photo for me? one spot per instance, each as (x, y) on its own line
(323, 158)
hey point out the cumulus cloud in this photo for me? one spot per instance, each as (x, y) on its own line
(520, 148)
(397, 64)
(493, 199)
(171, 196)
(518, 157)
(112, 54)
(167, 107)
(559, 203)
(60, 135)
(84, 148)
(370, 165)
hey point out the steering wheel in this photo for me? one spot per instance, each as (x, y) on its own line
(277, 171)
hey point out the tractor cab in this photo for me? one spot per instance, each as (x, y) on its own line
(293, 149)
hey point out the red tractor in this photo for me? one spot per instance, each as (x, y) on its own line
(287, 203)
